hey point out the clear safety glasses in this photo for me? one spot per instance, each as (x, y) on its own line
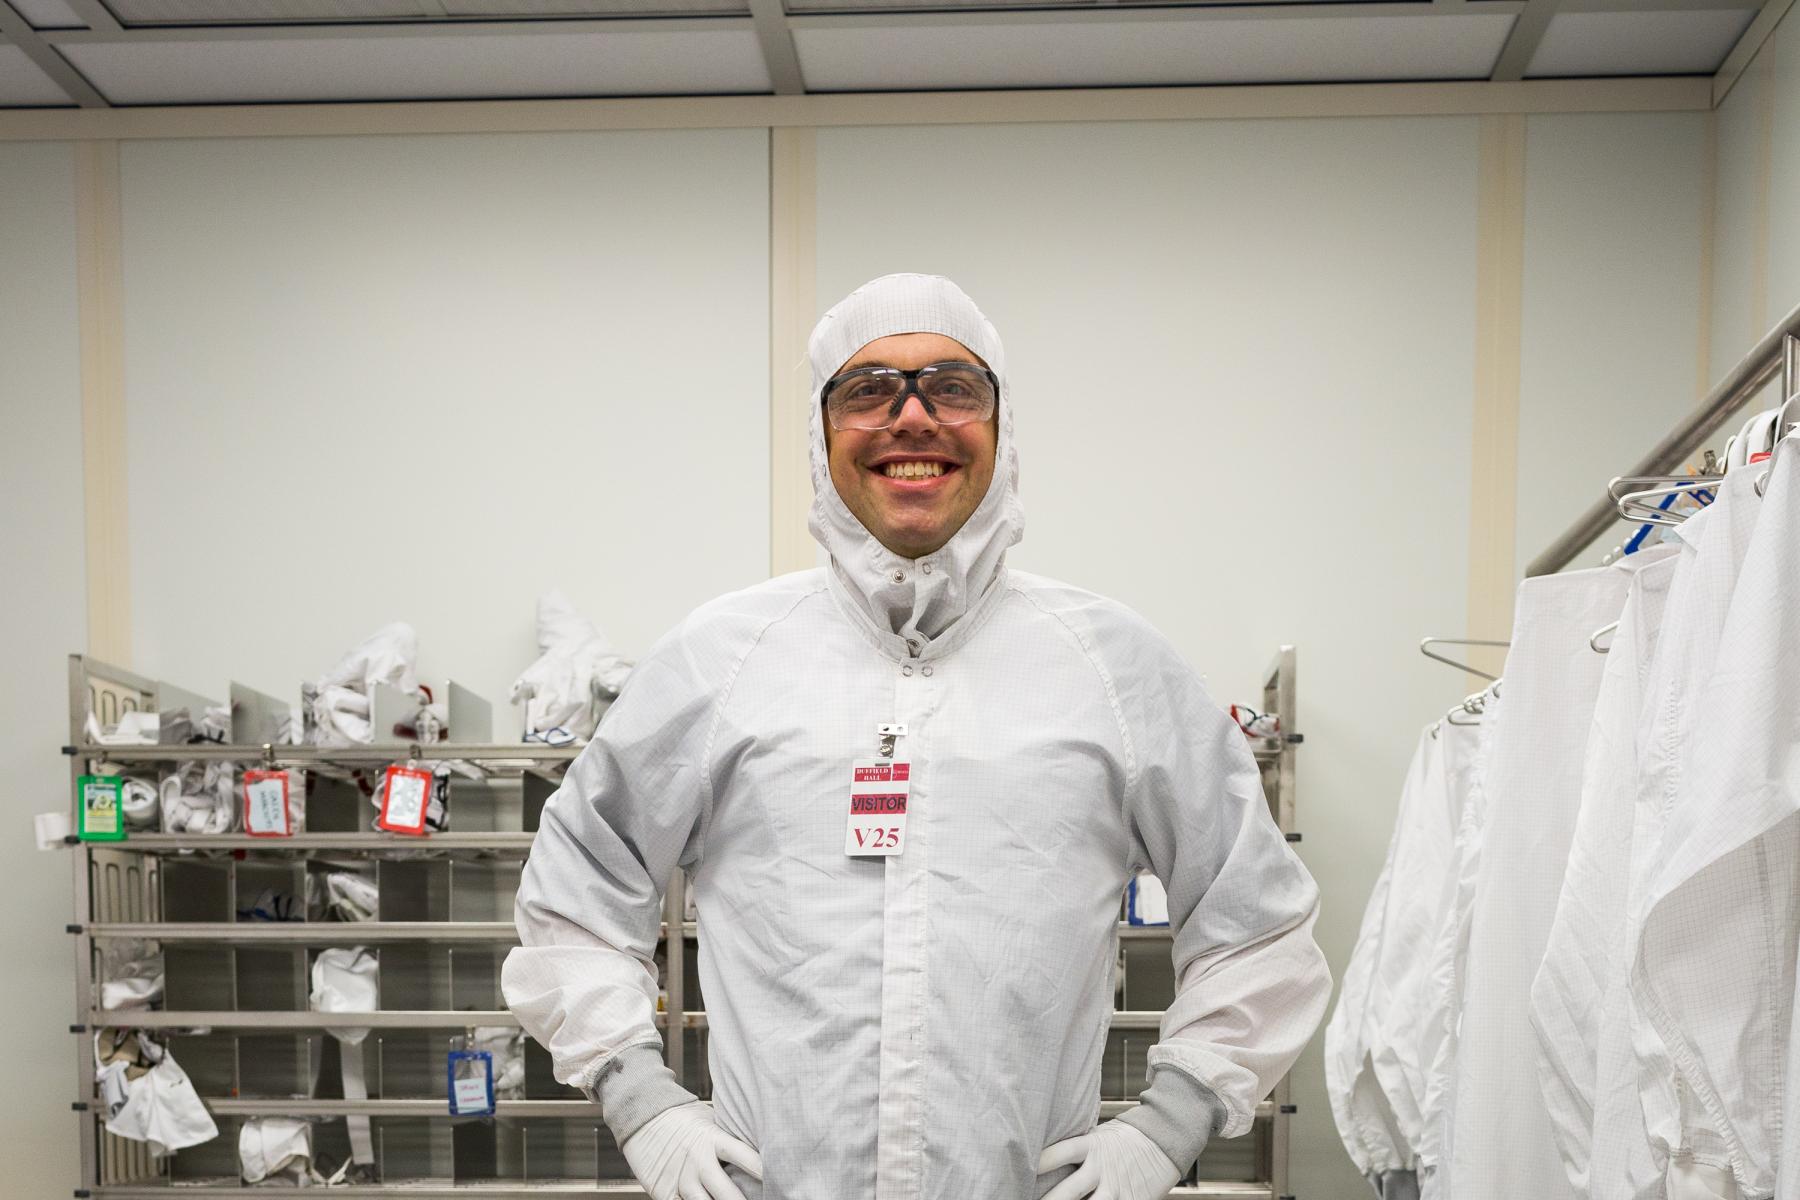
(954, 393)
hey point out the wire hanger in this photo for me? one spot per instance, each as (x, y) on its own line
(1425, 645)
(1779, 434)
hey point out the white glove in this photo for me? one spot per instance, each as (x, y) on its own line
(677, 1155)
(1117, 1162)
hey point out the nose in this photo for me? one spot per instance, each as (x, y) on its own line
(913, 416)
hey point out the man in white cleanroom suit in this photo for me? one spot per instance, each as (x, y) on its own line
(928, 1023)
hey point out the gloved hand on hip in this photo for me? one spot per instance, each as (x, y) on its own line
(678, 1155)
(1115, 1162)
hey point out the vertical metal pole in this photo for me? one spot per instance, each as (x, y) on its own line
(1790, 367)
(675, 975)
(84, 962)
(1281, 696)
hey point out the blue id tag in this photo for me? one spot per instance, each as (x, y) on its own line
(471, 1083)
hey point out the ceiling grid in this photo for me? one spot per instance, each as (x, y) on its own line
(137, 53)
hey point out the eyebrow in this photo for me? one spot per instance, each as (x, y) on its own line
(863, 364)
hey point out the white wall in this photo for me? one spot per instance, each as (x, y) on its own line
(427, 379)
(43, 618)
(1610, 342)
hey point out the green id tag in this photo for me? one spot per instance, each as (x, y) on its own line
(99, 816)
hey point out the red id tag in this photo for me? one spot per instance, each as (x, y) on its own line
(267, 812)
(878, 791)
(405, 794)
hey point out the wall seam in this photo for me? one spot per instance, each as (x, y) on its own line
(99, 238)
(1709, 234)
(1765, 182)
(793, 209)
(1494, 452)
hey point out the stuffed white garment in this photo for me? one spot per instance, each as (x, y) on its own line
(346, 979)
(158, 1106)
(277, 1150)
(131, 973)
(576, 671)
(200, 798)
(338, 701)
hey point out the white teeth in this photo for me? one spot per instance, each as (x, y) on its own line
(913, 470)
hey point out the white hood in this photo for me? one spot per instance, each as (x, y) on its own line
(905, 601)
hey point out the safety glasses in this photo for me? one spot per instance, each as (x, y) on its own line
(870, 398)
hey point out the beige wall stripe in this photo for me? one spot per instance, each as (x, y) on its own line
(1499, 283)
(793, 206)
(98, 245)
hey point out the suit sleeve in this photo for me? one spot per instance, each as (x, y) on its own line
(1251, 984)
(631, 809)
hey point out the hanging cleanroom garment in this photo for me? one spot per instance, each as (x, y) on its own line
(919, 1027)
(1426, 834)
(1365, 1121)
(1466, 748)
(1640, 1149)
(1573, 996)
(1623, 1163)
(1504, 1147)
(1714, 975)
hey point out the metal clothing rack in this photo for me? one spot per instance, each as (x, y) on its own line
(234, 1011)
(1751, 374)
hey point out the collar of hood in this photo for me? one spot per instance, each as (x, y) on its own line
(924, 606)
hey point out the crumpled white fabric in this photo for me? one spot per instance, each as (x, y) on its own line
(338, 701)
(576, 670)
(342, 896)
(1115, 1162)
(131, 973)
(947, 1008)
(507, 1047)
(161, 1107)
(133, 729)
(679, 1155)
(277, 1150)
(200, 798)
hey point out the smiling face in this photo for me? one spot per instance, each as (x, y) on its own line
(915, 483)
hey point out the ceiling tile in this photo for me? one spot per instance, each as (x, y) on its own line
(466, 65)
(1638, 43)
(221, 12)
(23, 85)
(846, 54)
(590, 8)
(48, 14)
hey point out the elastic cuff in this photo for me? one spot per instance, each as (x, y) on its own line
(1179, 1113)
(635, 1086)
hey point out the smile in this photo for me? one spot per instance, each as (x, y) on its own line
(915, 469)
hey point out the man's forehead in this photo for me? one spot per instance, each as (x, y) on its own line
(910, 350)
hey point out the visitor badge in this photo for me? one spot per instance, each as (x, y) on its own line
(405, 792)
(878, 791)
(101, 817)
(471, 1083)
(266, 810)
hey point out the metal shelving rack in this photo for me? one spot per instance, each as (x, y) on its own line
(235, 1009)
